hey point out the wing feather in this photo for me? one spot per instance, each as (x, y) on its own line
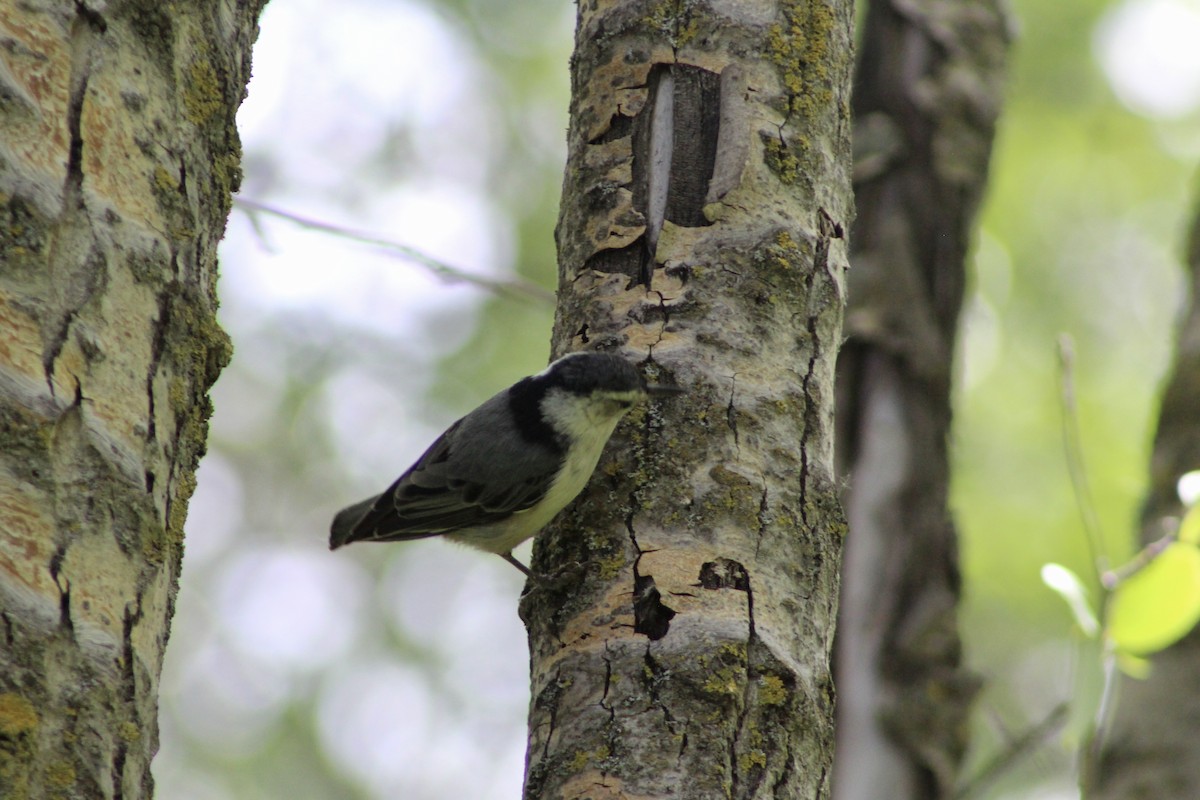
(427, 501)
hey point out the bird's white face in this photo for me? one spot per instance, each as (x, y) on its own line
(590, 418)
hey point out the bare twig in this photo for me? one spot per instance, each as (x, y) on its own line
(514, 288)
(1111, 578)
(1072, 442)
(1033, 737)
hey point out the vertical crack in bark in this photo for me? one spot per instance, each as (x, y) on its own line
(64, 589)
(91, 16)
(654, 674)
(553, 714)
(74, 263)
(743, 580)
(612, 712)
(731, 413)
(804, 433)
(829, 230)
(129, 693)
(779, 787)
(73, 182)
(158, 343)
(651, 616)
(761, 516)
(662, 328)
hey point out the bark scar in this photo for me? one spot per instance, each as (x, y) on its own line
(651, 616)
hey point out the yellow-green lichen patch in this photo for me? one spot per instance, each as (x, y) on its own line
(154, 539)
(740, 499)
(781, 160)
(185, 486)
(202, 96)
(673, 20)
(751, 759)
(584, 757)
(609, 568)
(60, 775)
(729, 677)
(754, 755)
(772, 691)
(17, 715)
(164, 181)
(784, 264)
(799, 46)
(227, 174)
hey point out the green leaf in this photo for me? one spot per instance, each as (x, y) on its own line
(1068, 586)
(1133, 666)
(1158, 604)
(1189, 528)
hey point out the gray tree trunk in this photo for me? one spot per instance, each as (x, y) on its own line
(1152, 750)
(118, 154)
(928, 90)
(686, 652)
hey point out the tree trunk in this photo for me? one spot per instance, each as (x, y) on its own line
(118, 154)
(685, 653)
(927, 94)
(1152, 750)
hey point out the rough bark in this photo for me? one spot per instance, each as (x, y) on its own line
(118, 154)
(685, 653)
(927, 95)
(1152, 750)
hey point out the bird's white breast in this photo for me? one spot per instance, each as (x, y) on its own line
(586, 424)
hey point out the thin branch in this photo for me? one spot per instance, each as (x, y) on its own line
(1072, 442)
(1018, 748)
(1111, 578)
(1090, 751)
(513, 288)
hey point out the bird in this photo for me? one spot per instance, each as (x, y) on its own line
(497, 476)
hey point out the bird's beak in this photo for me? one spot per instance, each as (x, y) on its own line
(660, 390)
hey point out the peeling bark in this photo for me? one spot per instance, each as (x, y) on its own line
(1152, 750)
(118, 154)
(684, 653)
(927, 95)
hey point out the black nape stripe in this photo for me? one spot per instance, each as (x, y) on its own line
(525, 403)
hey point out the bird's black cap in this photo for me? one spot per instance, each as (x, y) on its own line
(584, 373)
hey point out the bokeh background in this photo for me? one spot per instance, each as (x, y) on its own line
(401, 671)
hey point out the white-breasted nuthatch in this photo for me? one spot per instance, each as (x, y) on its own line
(499, 474)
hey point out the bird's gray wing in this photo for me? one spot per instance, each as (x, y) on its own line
(434, 497)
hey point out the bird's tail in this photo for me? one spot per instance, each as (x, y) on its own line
(344, 524)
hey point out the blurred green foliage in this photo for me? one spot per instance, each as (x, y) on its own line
(1086, 213)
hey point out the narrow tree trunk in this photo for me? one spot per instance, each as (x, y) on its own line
(118, 154)
(685, 653)
(1152, 750)
(927, 95)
